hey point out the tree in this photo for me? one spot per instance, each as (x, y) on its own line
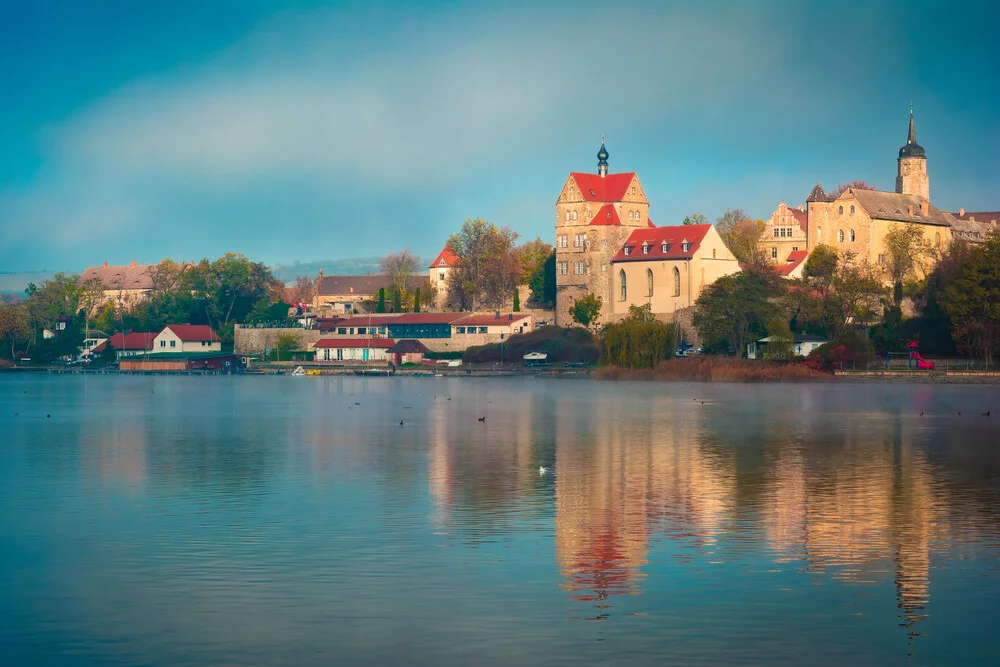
(907, 252)
(972, 301)
(55, 297)
(303, 289)
(532, 256)
(285, 343)
(229, 287)
(586, 310)
(380, 306)
(543, 281)
(854, 297)
(399, 266)
(14, 325)
(397, 301)
(742, 235)
(517, 300)
(853, 185)
(695, 219)
(416, 301)
(736, 309)
(820, 266)
(488, 266)
(638, 341)
(91, 297)
(109, 354)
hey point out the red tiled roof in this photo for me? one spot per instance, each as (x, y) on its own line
(655, 237)
(795, 258)
(611, 188)
(193, 333)
(486, 320)
(137, 340)
(800, 217)
(606, 216)
(134, 276)
(354, 342)
(446, 258)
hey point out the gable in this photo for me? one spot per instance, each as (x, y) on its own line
(610, 188)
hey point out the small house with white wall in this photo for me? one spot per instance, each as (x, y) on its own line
(187, 338)
(353, 349)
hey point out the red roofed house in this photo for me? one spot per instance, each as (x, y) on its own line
(668, 267)
(439, 270)
(353, 349)
(595, 213)
(131, 344)
(785, 232)
(187, 338)
(794, 265)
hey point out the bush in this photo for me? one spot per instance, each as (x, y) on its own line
(443, 355)
(716, 369)
(846, 350)
(561, 344)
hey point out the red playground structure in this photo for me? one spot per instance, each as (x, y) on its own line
(916, 361)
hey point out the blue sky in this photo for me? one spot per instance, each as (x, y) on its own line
(306, 130)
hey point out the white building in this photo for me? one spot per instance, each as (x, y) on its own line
(353, 349)
(187, 338)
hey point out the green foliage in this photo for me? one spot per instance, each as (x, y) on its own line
(416, 301)
(742, 235)
(821, 263)
(517, 300)
(972, 301)
(695, 219)
(907, 252)
(638, 341)
(586, 310)
(542, 281)
(844, 351)
(284, 345)
(109, 354)
(14, 328)
(380, 307)
(397, 302)
(571, 344)
(736, 309)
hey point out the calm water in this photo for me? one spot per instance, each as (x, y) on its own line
(293, 521)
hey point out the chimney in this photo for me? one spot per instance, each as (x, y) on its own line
(321, 273)
(133, 263)
(961, 212)
(105, 264)
(923, 207)
(802, 208)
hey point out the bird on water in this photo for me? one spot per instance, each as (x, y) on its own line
(482, 419)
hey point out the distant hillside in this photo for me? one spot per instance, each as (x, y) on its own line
(356, 266)
(17, 282)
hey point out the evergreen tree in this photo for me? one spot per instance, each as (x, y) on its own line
(416, 301)
(397, 302)
(380, 307)
(517, 300)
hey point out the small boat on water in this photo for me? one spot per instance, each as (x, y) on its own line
(299, 372)
(381, 372)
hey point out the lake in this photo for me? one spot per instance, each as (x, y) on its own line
(294, 521)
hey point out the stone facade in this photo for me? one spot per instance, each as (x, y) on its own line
(785, 232)
(595, 213)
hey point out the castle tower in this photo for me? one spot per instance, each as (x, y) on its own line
(595, 213)
(911, 175)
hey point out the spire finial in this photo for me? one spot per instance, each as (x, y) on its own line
(911, 108)
(602, 159)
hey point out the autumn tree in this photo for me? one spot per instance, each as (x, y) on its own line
(736, 310)
(695, 219)
(488, 267)
(91, 297)
(399, 266)
(532, 255)
(52, 298)
(14, 325)
(586, 310)
(221, 285)
(907, 252)
(303, 289)
(742, 235)
(853, 185)
(855, 295)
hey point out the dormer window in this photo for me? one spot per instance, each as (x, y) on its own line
(645, 248)
(664, 248)
(628, 250)
(592, 193)
(685, 246)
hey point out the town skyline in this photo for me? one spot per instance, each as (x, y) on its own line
(260, 135)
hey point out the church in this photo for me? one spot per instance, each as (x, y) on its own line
(857, 220)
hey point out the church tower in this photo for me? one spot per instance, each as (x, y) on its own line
(911, 175)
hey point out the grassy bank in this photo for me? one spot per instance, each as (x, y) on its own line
(715, 369)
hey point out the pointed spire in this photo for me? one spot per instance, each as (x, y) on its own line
(912, 148)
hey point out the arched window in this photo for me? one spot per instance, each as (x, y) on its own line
(852, 236)
(621, 279)
(937, 239)
(852, 209)
(630, 215)
(574, 215)
(840, 210)
(840, 236)
(649, 282)
(677, 281)
(713, 253)
(567, 215)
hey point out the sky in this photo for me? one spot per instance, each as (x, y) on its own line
(307, 130)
